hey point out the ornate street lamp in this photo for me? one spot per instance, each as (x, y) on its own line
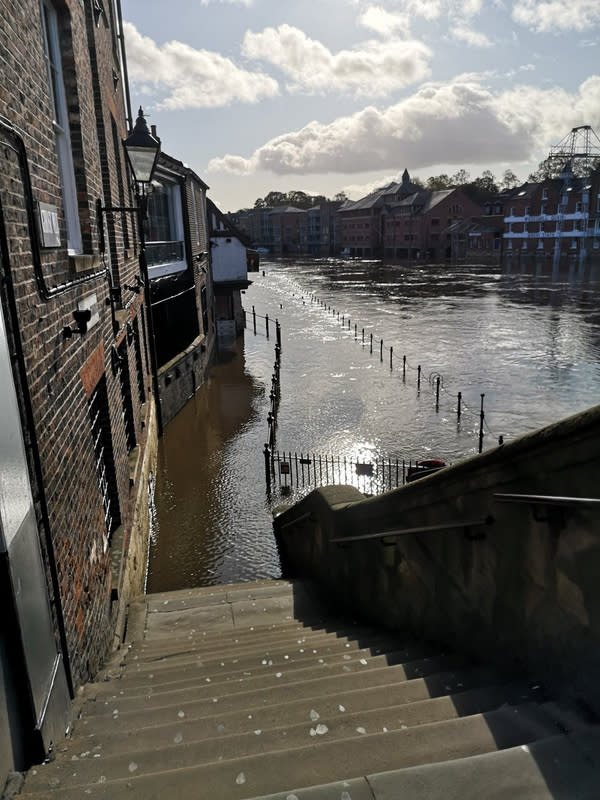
(142, 150)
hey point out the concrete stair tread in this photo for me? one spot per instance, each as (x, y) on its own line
(277, 686)
(243, 612)
(207, 594)
(352, 695)
(257, 734)
(298, 647)
(549, 769)
(348, 757)
(209, 641)
(263, 671)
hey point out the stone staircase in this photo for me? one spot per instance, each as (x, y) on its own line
(254, 690)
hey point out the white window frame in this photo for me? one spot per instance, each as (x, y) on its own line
(60, 126)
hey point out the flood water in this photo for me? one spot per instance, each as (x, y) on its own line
(529, 340)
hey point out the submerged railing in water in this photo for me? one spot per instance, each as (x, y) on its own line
(289, 470)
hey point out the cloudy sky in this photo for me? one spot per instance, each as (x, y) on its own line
(341, 95)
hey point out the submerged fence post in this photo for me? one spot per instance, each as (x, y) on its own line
(381, 350)
(254, 319)
(356, 330)
(267, 455)
(419, 377)
(278, 333)
(267, 324)
(371, 346)
(437, 394)
(481, 418)
(363, 336)
(391, 357)
(458, 406)
(404, 368)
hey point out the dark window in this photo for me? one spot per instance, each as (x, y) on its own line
(122, 371)
(204, 304)
(103, 454)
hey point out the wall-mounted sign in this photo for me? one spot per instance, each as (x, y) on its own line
(49, 229)
(284, 468)
(90, 303)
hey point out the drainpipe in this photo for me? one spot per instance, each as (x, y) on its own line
(121, 39)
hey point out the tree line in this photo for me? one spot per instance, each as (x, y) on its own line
(480, 188)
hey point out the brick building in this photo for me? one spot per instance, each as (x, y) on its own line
(556, 219)
(78, 434)
(403, 221)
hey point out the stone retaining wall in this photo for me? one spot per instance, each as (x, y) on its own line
(181, 377)
(522, 587)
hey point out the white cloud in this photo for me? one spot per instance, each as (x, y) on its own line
(463, 33)
(553, 16)
(453, 123)
(383, 22)
(375, 68)
(191, 78)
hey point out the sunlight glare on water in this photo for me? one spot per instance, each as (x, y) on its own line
(529, 341)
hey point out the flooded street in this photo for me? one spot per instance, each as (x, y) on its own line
(529, 341)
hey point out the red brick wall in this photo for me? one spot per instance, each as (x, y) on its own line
(61, 371)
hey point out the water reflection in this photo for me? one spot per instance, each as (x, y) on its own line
(527, 339)
(207, 460)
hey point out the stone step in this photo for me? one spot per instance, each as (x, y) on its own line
(299, 646)
(548, 769)
(205, 595)
(228, 616)
(262, 706)
(260, 665)
(282, 729)
(342, 725)
(261, 773)
(276, 685)
(329, 624)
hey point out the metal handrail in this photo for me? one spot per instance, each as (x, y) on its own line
(295, 521)
(547, 500)
(467, 523)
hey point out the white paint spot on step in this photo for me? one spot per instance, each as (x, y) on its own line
(178, 738)
(314, 715)
(132, 767)
(241, 779)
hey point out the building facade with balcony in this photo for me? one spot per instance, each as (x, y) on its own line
(555, 219)
(182, 299)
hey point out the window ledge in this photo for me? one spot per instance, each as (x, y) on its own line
(84, 263)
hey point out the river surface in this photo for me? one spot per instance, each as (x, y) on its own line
(529, 341)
